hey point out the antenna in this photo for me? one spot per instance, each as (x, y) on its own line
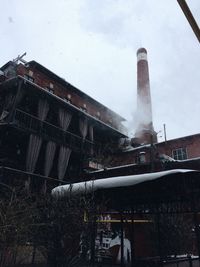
(20, 58)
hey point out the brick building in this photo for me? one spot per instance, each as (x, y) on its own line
(182, 148)
(179, 149)
(45, 120)
(50, 131)
(144, 148)
(49, 128)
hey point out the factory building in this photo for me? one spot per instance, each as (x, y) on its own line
(175, 151)
(123, 233)
(52, 130)
(51, 133)
(49, 128)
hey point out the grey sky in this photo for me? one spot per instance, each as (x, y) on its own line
(93, 44)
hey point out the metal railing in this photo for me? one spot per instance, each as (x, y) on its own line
(32, 124)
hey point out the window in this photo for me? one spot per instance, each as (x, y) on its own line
(68, 98)
(98, 114)
(84, 107)
(30, 73)
(51, 85)
(179, 153)
(29, 78)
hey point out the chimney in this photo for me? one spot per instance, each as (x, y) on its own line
(145, 133)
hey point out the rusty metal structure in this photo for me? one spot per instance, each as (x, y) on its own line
(188, 14)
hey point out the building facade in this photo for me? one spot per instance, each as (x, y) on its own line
(52, 133)
(49, 128)
(181, 149)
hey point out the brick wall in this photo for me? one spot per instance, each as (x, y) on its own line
(191, 143)
(83, 102)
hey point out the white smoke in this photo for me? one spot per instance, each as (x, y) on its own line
(141, 118)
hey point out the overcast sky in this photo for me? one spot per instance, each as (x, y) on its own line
(93, 45)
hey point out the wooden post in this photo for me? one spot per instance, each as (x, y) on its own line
(152, 154)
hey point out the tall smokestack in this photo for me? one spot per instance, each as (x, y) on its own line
(144, 131)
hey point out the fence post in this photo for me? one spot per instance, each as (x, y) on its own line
(122, 239)
(190, 261)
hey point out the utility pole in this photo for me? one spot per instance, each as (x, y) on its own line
(165, 135)
(152, 153)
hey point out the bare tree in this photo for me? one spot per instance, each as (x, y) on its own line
(49, 226)
(173, 234)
